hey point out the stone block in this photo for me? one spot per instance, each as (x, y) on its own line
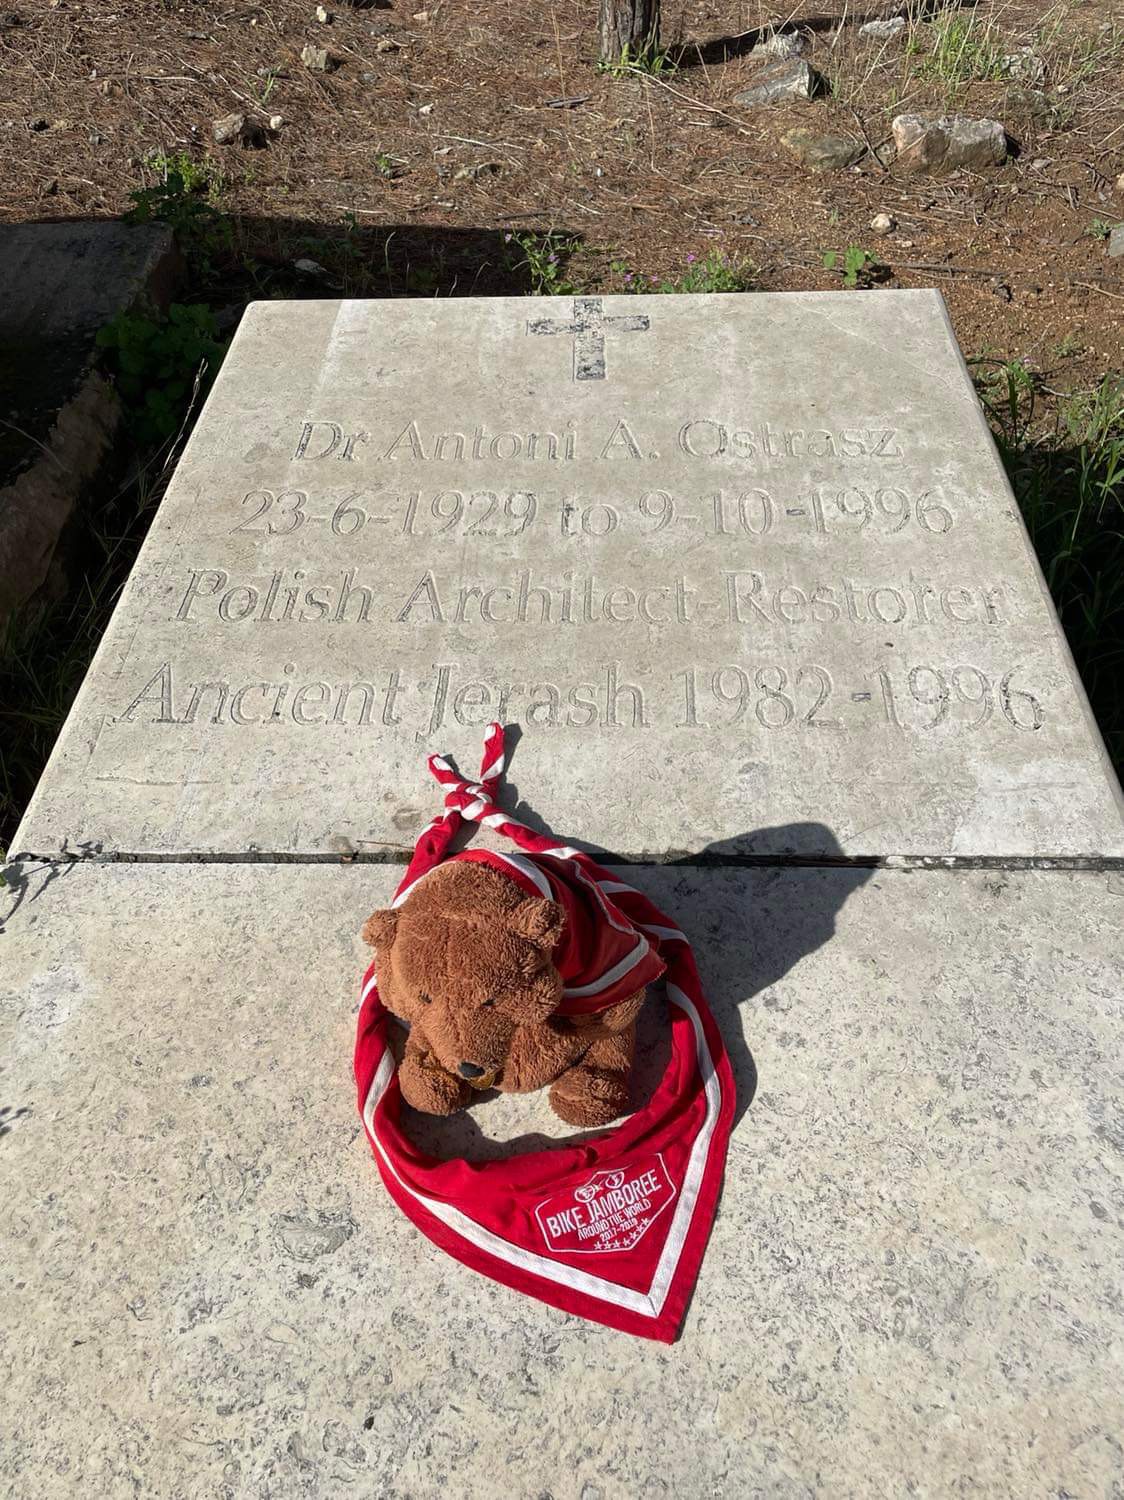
(62, 283)
(912, 1284)
(729, 562)
(778, 82)
(948, 143)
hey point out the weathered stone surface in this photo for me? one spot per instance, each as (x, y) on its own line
(61, 283)
(318, 59)
(228, 129)
(823, 153)
(883, 31)
(1024, 65)
(757, 563)
(781, 45)
(948, 143)
(912, 1285)
(788, 79)
(1116, 240)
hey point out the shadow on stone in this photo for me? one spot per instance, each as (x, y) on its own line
(749, 926)
(722, 49)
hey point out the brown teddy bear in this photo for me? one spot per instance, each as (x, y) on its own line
(483, 972)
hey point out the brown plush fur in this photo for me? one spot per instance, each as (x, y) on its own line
(465, 961)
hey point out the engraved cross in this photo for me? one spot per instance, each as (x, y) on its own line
(589, 327)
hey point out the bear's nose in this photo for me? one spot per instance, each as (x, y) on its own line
(470, 1070)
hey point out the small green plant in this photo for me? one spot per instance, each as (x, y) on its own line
(652, 60)
(1099, 229)
(965, 49)
(157, 365)
(714, 272)
(857, 266)
(543, 260)
(185, 198)
(195, 176)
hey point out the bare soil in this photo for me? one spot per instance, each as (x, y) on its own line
(642, 172)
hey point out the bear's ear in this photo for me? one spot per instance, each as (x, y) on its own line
(540, 922)
(379, 928)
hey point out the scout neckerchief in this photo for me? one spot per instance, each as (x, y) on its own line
(612, 1229)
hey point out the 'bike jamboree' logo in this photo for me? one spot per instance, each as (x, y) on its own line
(613, 1210)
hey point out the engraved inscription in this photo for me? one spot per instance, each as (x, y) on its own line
(588, 326)
(878, 513)
(750, 698)
(795, 645)
(731, 597)
(706, 438)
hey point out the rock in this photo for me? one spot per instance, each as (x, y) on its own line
(781, 46)
(228, 129)
(478, 170)
(1040, 107)
(318, 59)
(882, 224)
(883, 31)
(311, 268)
(1116, 241)
(1025, 66)
(823, 153)
(952, 141)
(276, 122)
(323, 16)
(779, 81)
(1120, 184)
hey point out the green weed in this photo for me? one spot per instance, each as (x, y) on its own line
(714, 272)
(653, 60)
(159, 363)
(543, 258)
(856, 265)
(387, 166)
(965, 49)
(185, 198)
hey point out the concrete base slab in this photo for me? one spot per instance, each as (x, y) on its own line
(912, 1286)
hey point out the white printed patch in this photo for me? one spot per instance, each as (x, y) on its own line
(613, 1210)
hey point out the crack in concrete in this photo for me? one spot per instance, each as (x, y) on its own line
(677, 859)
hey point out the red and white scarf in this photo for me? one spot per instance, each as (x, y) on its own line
(612, 1229)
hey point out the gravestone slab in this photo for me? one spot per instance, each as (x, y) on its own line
(726, 560)
(912, 1285)
(62, 282)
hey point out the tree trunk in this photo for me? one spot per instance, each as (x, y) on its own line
(628, 28)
